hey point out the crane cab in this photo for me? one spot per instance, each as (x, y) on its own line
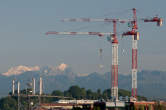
(160, 22)
(136, 36)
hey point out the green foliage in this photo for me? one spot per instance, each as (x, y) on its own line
(77, 92)
(89, 94)
(142, 98)
(124, 93)
(106, 94)
(8, 103)
(97, 108)
(57, 93)
(159, 106)
(67, 94)
(74, 92)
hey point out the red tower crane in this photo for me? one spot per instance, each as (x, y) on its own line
(135, 37)
(114, 41)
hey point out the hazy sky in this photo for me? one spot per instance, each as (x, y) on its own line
(24, 22)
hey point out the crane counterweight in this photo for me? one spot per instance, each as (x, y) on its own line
(156, 19)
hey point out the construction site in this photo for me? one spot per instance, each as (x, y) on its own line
(113, 39)
(114, 102)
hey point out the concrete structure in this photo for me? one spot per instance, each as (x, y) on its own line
(41, 86)
(33, 86)
(13, 87)
(18, 88)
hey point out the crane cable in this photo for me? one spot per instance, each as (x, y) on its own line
(100, 52)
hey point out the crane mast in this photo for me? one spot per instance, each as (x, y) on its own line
(134, 56)
(114, 68)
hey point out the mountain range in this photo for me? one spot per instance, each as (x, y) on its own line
(150, 83)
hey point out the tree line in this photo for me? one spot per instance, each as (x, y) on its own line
(74, 92)
(81, 93)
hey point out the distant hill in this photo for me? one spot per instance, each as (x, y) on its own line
(150, 83)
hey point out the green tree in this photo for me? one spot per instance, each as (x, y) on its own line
(89, 94)
(57, 93)
(8, 103)
(83, 93)
(67, 94)
(106, 93)
(77, 92)
(99, 94)
(124, 93)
